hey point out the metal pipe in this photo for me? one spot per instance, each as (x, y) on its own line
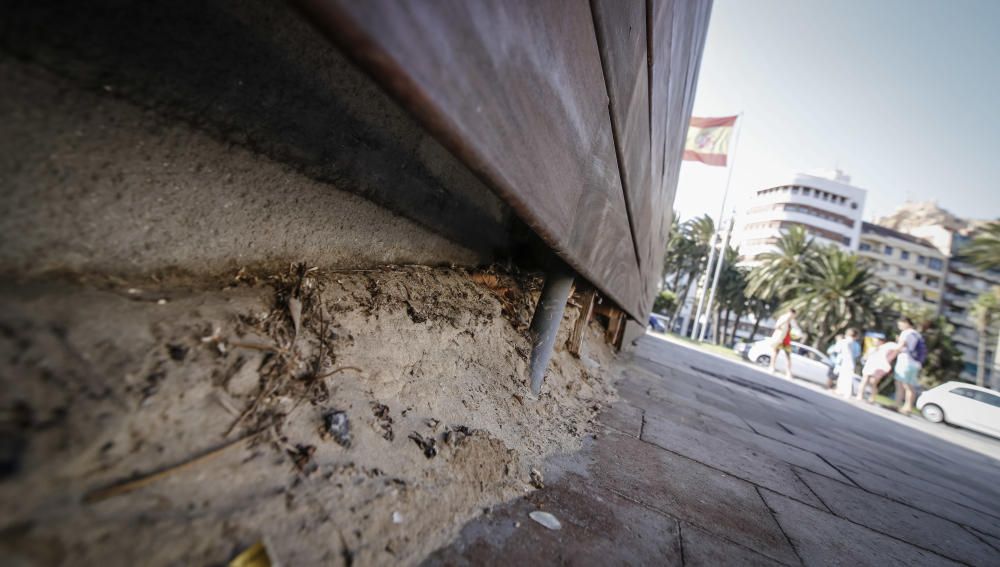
(545, 321)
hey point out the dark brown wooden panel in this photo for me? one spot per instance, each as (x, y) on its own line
(621, 34)
(517, 92)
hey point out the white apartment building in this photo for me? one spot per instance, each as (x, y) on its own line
(907, 266)
(824, 204)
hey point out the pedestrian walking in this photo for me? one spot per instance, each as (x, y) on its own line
(911, 351)
(781, 340)
(848, 351)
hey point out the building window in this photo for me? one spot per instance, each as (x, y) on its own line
(887, 251)
(935, 263)
(904, 255)
(806, 191)
(921, 259)
(901, 271)
(865, 247)
(933, 282)
(854, 205)
(885, 267)
(795, 190)
(918, 277)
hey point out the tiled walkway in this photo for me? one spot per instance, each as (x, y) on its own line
(707, 462)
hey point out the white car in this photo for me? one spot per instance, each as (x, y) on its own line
(964, 405)
(807, 363)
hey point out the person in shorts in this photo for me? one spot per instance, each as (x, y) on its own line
(907, 368)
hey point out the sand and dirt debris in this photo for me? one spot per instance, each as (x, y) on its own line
(296, 407)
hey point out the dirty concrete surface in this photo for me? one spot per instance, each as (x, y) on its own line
(705, 461)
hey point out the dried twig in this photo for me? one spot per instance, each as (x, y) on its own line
(337, 370)
(127, 486)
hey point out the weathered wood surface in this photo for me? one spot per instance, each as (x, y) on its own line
(573, 113)
(586, 299)
(621, 34)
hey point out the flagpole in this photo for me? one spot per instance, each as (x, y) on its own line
(718, 271)
(722, 253)
(701, 295)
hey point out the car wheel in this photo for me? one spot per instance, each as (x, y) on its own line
(763, 360)
(932, 413)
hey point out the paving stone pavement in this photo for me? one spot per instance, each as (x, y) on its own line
(706, 461)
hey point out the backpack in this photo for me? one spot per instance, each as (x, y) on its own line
(919, 353)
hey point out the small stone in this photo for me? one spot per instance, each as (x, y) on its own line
(546, 519)
(536, 478)
(426, 444)
(397, 518)
(338, 427)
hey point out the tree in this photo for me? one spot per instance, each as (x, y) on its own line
(984, 250)
(673, 256)
(760, 309)
(686, 258)
(944, 361)
(835, 292)
(780, 272)
(730, 296)
(984, 312)
(665, 302)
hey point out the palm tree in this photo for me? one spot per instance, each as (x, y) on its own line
(983, 313)
(673, 264)
(730, 295)
(984, 250)
(781, 271)
(836, 292)
(689, 256)
(760, 309)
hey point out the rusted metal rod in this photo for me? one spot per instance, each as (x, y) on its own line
(545, 321)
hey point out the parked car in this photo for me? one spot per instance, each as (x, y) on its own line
(657, 323)
(964, 405)
(742, 348)
(808, 363)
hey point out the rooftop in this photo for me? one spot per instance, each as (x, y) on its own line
(869, 228)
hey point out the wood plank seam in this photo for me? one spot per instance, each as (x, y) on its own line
(616, 135)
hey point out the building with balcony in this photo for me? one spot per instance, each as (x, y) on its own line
(824, 204)
(963, 284)
(907, 266)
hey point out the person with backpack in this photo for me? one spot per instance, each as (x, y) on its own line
(911, 353)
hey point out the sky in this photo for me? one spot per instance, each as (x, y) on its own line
(902, 95)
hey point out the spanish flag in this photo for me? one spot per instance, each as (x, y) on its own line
(708, 139)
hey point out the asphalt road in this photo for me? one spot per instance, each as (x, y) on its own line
(707, 461)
